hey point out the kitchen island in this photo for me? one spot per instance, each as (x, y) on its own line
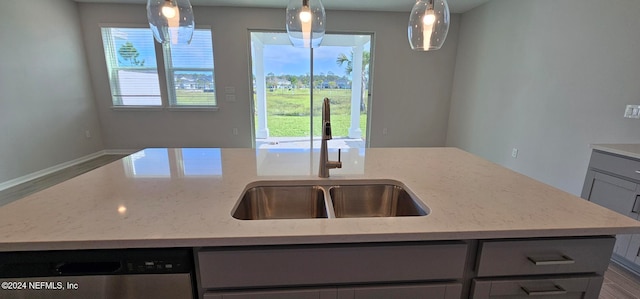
(184, 198)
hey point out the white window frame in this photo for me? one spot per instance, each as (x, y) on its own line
(167, 89)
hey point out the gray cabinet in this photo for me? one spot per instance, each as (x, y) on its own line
(275, 294)
(613, 182)
(342, 271)
(277, 266)
(418, 291)
(584, 287)
(405, 291)
(548, 268)
(571, 267)
(544, 256)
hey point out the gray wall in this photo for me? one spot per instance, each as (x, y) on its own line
(548, 77)
(411, 90)
(46, 102)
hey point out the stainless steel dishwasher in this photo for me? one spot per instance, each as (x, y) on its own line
(99, 274)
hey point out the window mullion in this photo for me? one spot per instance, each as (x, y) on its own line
(165, 93)
(111, 60)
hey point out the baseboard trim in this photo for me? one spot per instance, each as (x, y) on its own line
(61, 166)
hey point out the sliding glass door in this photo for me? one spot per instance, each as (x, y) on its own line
(290, 83)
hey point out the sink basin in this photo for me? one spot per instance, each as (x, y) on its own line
(374, 200)
(281, 202)
(327, 199)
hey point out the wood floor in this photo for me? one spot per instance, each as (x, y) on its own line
(618, 282)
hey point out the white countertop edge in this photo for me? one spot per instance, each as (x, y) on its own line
(627, 150)
(302, 240)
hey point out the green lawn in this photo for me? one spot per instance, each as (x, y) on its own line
(195, 97)
(298, 126)
(288, 112)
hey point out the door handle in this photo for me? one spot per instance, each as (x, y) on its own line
(636, 205)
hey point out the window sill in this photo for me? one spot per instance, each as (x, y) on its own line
(137, 108)
(157, 108)
(193, 108)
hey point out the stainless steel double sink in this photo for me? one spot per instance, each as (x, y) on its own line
(327, 199)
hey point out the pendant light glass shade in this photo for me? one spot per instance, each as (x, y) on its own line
(428, 24)
(171, 21)
(305, 23)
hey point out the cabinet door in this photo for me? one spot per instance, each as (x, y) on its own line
(617, 195)
(416, 291)
(329, 293)
(633, 253)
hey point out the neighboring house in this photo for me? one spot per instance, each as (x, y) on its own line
(340, 84)
(187, 83)
(283, 84)
(343, 84)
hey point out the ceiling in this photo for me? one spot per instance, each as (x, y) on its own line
(456, 6)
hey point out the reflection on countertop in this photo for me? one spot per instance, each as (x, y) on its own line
(287, 162)
(159, 163)
(179, 162)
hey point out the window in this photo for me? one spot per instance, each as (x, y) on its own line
(134, 76)
(190, 71)
(289, 85)
(131, 61)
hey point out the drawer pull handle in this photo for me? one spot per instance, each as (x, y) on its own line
(558, 290)
(546, 262)
(638, 171)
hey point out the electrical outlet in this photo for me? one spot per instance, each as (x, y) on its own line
(235, 131)
(384, 131)
(514, 153)
(230, 97)
(632, 111)
(87, 133)
(229, 89)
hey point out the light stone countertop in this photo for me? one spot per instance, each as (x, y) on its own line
(184, 198)
(629, 150)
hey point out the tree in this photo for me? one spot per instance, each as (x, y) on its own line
(130, 54)
(364, 73)
(294, 81)
(271, 81)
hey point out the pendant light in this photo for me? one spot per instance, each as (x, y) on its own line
(171, 20)
(428, 25)
(305, 22)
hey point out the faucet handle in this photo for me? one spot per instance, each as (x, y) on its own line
(339, 154)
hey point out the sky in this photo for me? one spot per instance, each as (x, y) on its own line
(278, 59)
(285, 59)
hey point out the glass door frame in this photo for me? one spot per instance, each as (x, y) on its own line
(311, 84)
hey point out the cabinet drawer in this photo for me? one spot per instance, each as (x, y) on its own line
(544, 256)
(619, 165)
(582, 287)
(331, 264)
